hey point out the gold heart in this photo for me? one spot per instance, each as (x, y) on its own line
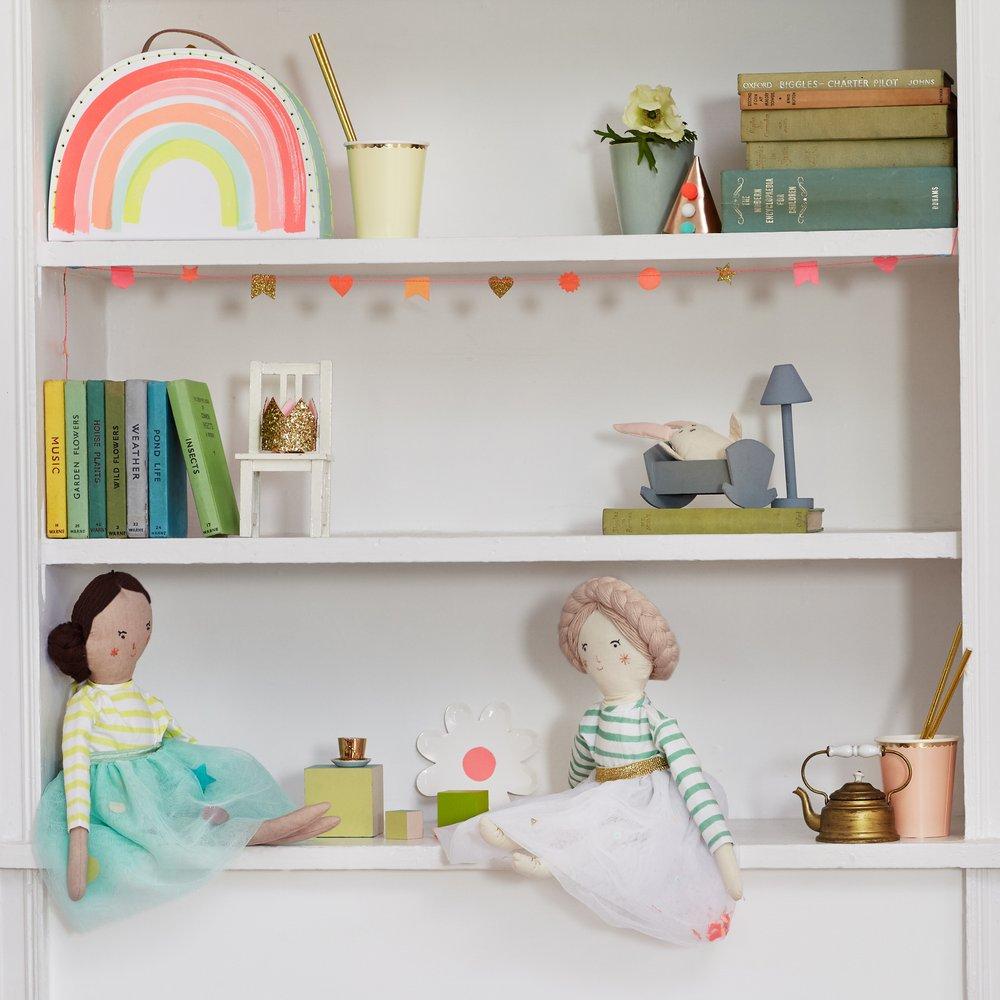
(501, 286)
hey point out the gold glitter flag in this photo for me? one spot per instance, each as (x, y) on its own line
(263, 284)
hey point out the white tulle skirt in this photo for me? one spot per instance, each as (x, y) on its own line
(627, 849)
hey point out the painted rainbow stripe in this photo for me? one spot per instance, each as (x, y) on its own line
(249, 132)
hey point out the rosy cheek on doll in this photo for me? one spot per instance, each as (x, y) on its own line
(624, 659)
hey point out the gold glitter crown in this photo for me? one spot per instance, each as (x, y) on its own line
(289, 428)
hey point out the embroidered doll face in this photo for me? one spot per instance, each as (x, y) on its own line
(613, 663)
(118, 637)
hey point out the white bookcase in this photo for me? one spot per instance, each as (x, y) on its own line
(473, 456)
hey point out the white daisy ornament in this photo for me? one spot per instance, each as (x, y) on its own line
(478, 753)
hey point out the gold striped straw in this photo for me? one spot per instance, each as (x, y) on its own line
(331, 84)
(946, 701)
(942, 681)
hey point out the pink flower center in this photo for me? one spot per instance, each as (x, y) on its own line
(479, 764)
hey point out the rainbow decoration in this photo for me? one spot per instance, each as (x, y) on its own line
(188, 144)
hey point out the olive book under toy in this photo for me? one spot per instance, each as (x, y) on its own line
(690, 459)
(233, 152)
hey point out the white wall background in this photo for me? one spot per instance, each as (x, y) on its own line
(469, 414)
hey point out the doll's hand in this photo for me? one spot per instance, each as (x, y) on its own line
(729, 869)
(76, 867)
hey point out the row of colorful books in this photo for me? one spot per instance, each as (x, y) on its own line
(118, 455)
(867, 149)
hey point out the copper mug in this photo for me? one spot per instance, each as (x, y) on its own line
(352, 747)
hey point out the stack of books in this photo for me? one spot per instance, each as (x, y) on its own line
(115, 455)
(869, 149)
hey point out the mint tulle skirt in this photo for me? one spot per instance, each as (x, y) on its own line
(162, 822)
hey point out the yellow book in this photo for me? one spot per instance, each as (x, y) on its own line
(54, 402)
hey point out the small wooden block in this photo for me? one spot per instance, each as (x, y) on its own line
(404, 824)
(456, 806)
(354, 794)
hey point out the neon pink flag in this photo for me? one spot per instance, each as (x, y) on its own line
(887, 264)
(806, 272)
(122, 277)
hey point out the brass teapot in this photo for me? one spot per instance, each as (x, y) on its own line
(858, 812)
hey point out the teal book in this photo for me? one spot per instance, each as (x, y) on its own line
(167, 478)
(98, 514)
(204, 457)
(784, 201)
(77, 516)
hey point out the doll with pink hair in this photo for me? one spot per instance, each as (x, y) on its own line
(641, 837)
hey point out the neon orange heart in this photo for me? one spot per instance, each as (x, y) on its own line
(649, 278)
(341, 283)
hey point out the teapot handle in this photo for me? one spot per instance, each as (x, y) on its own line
(909, 775)
(825, 752)
(849, 750)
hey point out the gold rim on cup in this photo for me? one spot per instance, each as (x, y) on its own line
(894, 742)
(386, 145)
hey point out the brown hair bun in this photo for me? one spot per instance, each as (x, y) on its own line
(67, 645)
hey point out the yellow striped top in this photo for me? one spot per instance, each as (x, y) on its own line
(105, 718)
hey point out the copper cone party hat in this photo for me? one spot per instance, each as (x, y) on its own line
(694, 209)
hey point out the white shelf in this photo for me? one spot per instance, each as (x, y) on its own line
(465, 253)
(503, 548)
(781, 844)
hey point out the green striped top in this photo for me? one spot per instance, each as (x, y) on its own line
(613, 735)
(103, 718)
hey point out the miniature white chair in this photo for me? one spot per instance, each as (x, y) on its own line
(317, 463)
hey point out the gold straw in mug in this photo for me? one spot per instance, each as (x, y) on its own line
(939, 717)
(932, 710)
(331, 84)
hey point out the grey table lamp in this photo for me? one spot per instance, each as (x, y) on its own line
(785, 388)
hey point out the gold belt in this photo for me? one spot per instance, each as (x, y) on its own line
(637, 769)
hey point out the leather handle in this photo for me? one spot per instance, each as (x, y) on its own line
(186, 31)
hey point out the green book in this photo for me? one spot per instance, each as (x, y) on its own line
(851, 153)
(712, 521)
(785, 201)
(849, 79)
(114, 426)
(77, 514)
(847, 123)
(97, 496)
(204, 457)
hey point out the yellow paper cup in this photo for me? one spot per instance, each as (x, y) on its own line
(387, 182)
(923, 808)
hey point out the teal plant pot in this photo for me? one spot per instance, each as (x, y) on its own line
(645, 198)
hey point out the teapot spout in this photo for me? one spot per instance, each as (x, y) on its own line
(808, 813)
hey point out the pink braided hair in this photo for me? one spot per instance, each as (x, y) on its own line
(633, 614)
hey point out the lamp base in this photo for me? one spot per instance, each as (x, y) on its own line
(802, 502)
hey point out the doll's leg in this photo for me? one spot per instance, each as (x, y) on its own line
(530, 866)
(289, 824)
(524, 863)
(495, 837)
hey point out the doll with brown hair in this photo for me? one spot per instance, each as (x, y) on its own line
(141, 812)
(641, 837)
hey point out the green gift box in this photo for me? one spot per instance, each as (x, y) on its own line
(354, 794)
(456, 806)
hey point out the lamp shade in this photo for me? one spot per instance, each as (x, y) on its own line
(784, 386)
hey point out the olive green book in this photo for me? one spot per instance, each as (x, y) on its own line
(851, 153)
(712, 521)
(933, 122)
(114, 423)
(844, 79)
